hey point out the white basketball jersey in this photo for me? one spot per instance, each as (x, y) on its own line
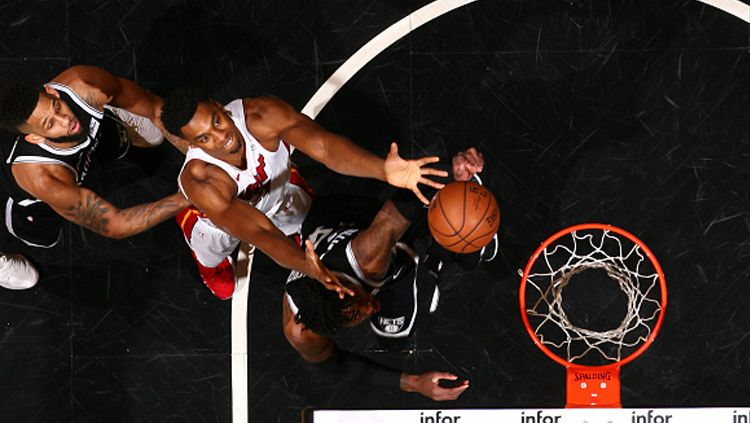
(263, 183)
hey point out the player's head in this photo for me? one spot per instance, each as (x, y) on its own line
(38, 114)
(322, 311)
(202, 122)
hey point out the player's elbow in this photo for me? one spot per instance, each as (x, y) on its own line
(110, 232)
(119, 235)
(117, 230)
(102, 227)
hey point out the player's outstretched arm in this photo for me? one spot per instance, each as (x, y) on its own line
(250, 225)
(55, 186)
(410, 173)
(275, 119)
(213, 192)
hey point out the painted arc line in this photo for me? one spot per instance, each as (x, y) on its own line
(733, 7)
(374, 47)
(317, 102)
(418, 18)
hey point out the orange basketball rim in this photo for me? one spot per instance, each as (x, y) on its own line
(622, 257)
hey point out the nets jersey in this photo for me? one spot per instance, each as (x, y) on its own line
(406, 294)
(264, 181)
(26, 217)
(78, 158)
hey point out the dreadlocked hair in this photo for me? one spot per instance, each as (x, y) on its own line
(179, 107)
(320, 309)
(17, 101)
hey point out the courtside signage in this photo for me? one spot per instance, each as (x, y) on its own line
(548, 415)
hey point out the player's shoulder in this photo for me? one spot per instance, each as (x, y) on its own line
(268, 117)
(201, 171)
(207, 186)
(79, 76)
(38, 178)
(94, 85)
(268, 109)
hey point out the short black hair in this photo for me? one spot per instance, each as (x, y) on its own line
(179, 107)
(320, 309)
(17, 101)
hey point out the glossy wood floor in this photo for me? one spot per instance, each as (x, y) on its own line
(625, 112)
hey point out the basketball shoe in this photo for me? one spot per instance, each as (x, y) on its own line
(220, 279)
(17, 272)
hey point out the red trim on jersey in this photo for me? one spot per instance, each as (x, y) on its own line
(295, 178)
(187, 219)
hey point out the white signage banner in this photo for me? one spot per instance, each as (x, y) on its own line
(549, 415)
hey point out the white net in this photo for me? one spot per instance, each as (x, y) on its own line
(604, 257)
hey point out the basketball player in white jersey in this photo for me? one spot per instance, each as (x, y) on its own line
(239, 176)
(84, 116)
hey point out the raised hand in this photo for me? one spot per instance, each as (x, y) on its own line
(467, 163)
(409, 173)
(427, 384)
(322, 274)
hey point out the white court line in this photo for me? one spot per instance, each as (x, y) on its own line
(313, 107)
(239, 334)
(374, 47)
(420, 17)
(240, 399)
(733, 7)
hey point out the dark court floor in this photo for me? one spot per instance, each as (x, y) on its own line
(632, 113)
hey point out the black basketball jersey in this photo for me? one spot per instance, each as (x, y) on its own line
(28, 218)
(407, 293)
(77, 158)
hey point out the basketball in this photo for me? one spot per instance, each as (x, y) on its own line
(463, 217)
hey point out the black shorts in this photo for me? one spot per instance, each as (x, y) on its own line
(33, 222)
(409, 294)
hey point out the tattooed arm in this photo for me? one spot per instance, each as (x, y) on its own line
(56, 186)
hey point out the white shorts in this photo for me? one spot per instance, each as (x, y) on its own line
(212, 245)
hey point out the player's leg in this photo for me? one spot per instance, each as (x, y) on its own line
(211, 249)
